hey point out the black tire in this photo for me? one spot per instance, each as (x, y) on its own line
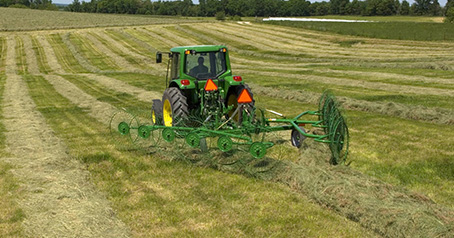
(156, 112)
(178, 111)
(234, 93)
(297, 138)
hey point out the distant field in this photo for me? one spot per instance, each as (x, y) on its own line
(59, 89)
(41, 20)
(395, 28)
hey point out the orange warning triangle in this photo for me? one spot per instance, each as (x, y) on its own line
(210, 86)
(244, 97)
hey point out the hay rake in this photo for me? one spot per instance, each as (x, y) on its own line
(241, 128)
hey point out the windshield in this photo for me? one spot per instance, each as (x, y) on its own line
(205, 65)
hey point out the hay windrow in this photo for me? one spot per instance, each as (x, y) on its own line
(387, 210)
(114, 58)
(355, 83)
(60, 201)
(433, 115)
(99, 110)
(10, 63)
(31, 56)
(119, 86)
(52, 60)
(82, 61)
(145, 61)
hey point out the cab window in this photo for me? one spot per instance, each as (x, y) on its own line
(175, 66)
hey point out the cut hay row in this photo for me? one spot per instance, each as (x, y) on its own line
(59, 200)
(433, 115)
(143, 38)
(354, 83)
(397, 44)
(145, 62)
(377, 206)
(120, 86)
(328, 40)
(77, 55)
(168, 32)
(32, 63)
(142, 63)
(92, 54)
(99, 110)
(289, 43)
(51, 59)
(20, 56)
(67, 60)
(393, 78)
(155, 34)
(10, 63)
(133, 43)
(109, 55)
(40, 55)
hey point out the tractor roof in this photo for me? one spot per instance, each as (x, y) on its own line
(202, 48)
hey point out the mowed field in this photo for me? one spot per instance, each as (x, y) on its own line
(60, 172)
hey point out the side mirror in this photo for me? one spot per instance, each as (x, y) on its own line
(158, 57)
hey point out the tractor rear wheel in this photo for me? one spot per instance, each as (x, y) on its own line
(174, 107)
(156, 112)
(232, 98)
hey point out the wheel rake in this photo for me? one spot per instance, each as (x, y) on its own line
(248, 133)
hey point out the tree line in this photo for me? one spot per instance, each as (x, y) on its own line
(263, 8)
(259, 8)
(33, 4)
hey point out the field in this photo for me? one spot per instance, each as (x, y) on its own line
(59, 171)
(398, 28)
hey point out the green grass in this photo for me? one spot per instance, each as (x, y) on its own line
(64, 55)
(153, 195)
(11, 215)
(420, 31)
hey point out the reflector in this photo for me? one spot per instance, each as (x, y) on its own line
(210, 86)
(244, 97)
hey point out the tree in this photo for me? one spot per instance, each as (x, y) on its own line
(338, 7)
(404, 8)
(422, 7)
(435, 8)
(450, 15)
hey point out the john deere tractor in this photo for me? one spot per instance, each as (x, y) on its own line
(200, 86)
(204, 99)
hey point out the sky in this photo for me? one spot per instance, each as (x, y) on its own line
(442, 2)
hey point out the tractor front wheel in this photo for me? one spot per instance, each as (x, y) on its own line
(174, 107)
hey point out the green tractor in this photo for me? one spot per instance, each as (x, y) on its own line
(203, 99)
(194, 71)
